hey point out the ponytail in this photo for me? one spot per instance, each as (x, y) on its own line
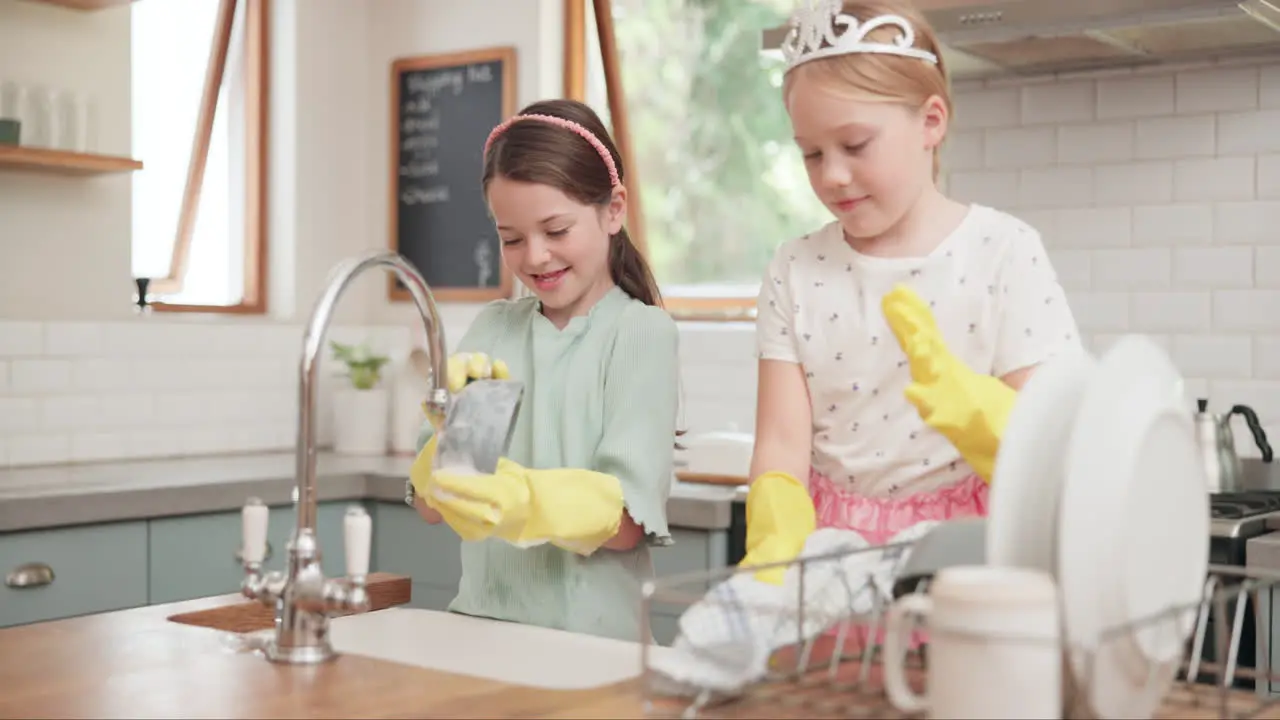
(630, 271)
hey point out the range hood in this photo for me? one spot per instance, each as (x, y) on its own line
(1032, 37)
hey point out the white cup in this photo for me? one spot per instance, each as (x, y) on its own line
(993, 647)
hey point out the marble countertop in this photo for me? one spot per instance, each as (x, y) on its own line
(51, 496)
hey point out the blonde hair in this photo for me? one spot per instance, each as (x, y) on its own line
(880, 76)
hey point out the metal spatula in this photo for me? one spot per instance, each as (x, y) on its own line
(479, 424)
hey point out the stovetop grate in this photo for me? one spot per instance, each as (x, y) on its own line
(1239, 505)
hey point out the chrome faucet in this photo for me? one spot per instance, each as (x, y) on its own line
(304, 599)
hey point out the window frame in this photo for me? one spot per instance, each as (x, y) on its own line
(255, 99)
(705, 309)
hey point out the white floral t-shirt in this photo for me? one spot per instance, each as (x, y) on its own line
(997, 302)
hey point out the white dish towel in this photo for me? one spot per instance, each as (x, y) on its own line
(726, 639)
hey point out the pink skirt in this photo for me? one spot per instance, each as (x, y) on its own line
(879, 519)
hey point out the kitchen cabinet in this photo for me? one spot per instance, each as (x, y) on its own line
(429, 554)
(196, 556)
(95, 568)
(693, 551)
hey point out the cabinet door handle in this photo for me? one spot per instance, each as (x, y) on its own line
(239, 558)
(29, 575)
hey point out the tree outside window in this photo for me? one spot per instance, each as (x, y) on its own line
(722, 183)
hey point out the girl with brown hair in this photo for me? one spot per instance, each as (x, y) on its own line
(558, 536)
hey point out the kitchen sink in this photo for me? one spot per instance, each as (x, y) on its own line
(505, 652)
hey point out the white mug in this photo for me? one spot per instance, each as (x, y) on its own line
(993, 647)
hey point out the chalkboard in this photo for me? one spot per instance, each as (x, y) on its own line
(442, 110)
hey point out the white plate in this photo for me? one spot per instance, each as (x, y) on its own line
(1132, 525)
(1022, 519)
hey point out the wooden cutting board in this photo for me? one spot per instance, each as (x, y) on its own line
(711, 478)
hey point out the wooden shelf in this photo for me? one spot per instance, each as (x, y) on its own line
(61, 162)
(89, 5)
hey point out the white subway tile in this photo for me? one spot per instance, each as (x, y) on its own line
(1096, 143)
(1008, 148)
(1058, 102)
(1261, 395)
(127, 409)
(1175, 137)
(1266, 357)
(1135, 96)
(1093, 228)
(1220, 178)
(1072, 268)
(69, 412)
(1131, 269)
(1213, 267)
(1246, 223)
(1055, 187)
(1248, 133)
(19, 414)
(987, 108)
(988, 187)
(1139, 183)
(99, 445)
(20, 339)
(962, 151)
(1173, 225)
(1217, 90)
(1216, 356)
(1269, 177)
(1100, 311)
(1266, 267)
(39, 376)
(101, 374)
(38, 449)
(72, 339)
(1246, 310)
(1177, 311)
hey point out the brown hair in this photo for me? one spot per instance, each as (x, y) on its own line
(539, 152)
(881, 76)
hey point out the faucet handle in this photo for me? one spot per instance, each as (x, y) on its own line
(253, 519)
(357, 531)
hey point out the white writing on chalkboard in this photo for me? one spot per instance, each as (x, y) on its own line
(425, 196)
(420, 169)
(484, 261)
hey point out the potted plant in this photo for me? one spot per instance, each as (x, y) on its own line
(362, 409)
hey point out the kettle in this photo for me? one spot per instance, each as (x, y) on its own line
(1218, 446)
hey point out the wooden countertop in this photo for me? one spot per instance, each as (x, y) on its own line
(142, 664)
(139, 664)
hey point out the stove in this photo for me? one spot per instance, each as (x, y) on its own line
(1243, 515)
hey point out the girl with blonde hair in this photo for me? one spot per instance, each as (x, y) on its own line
(892, 341)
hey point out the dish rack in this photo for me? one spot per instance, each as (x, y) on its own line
(836, 675)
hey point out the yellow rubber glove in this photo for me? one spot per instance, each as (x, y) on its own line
(463, 368)
(578, 510)
(466, 367)
(968, 408)
(780, 518)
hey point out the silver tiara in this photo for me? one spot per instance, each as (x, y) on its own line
(814, 34)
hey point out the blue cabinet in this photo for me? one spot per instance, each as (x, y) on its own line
(195, 556)
(72, 571)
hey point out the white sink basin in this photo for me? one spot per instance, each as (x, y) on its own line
(506, 652)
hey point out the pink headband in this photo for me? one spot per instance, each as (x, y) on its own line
(567, 125)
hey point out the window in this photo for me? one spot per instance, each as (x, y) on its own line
(721, 183)
(199, 125)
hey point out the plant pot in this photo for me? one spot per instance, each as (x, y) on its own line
(361, 422)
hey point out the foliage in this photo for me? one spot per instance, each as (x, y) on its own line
(721, 181)
(364, 367)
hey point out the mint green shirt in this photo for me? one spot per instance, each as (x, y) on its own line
(602, 395)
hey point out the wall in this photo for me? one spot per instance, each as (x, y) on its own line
(82, 378)
(1157, 194)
